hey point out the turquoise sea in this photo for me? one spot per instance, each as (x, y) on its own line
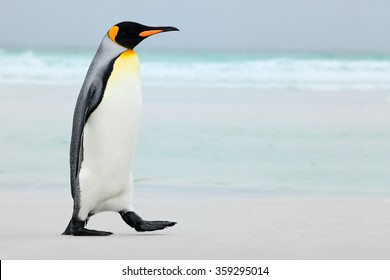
(264, 122)
(210, 69)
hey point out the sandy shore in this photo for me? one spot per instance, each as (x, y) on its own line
(212, 224)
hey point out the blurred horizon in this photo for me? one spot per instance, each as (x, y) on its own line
(161, 49)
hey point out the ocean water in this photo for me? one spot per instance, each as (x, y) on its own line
(249, 70)
(258, 122)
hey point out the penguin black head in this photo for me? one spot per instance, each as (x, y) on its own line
(129, 34)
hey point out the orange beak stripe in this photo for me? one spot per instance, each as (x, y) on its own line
(149, 33)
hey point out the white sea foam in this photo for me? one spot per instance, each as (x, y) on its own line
(240, 70)
(42, 68)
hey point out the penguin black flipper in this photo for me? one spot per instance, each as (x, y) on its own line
(91, 94)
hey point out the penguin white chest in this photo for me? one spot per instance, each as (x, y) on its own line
(111, 132)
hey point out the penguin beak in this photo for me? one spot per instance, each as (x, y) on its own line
(156, 30)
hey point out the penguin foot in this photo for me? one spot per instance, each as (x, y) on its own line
(140, 225)
(91, 232)
(76, 227)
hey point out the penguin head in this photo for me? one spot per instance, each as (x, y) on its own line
(129, 34)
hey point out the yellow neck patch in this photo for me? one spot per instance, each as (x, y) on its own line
(126, 70)
(113, 32)
(127, 54)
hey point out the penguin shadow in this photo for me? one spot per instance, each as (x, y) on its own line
(145, 234)
(114, 235)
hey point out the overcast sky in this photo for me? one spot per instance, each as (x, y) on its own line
(299, 25)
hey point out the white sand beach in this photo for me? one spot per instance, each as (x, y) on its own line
(211, 225)
(281, 175)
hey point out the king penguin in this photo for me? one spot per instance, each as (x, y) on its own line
(105, 129)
